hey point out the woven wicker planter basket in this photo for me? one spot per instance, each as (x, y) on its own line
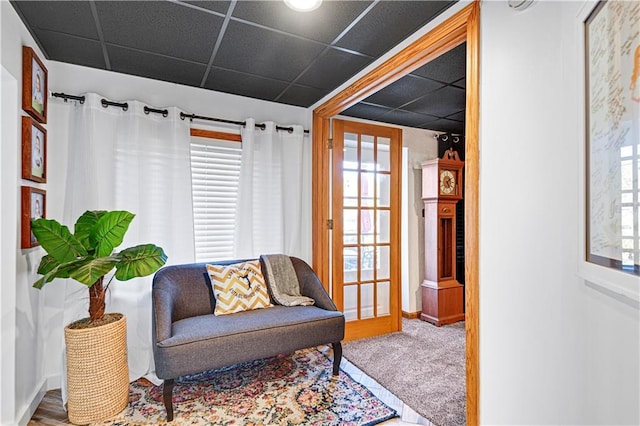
(97, 371)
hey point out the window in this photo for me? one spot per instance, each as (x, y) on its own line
(630, 205)
(360, 169)
(215, 173)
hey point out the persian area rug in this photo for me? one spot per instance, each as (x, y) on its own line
(423, 365)
(295, 389)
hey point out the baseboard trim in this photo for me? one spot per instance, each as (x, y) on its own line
(411, 315)
(36, 399)
(51, 382)
(54, 382)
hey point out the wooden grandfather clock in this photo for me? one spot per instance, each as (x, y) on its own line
(442, 294)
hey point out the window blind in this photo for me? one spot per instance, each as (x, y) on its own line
(215, 173)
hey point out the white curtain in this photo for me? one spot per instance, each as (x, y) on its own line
(269, 211)
(129, 160)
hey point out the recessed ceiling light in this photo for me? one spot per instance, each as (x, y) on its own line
(303, 5)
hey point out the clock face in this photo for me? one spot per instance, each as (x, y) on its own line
(447, 182)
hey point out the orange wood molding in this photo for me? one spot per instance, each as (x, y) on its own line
(212, 134)
(320, 199)
(471, 249)
(411, 315)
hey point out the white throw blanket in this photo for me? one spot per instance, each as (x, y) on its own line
(282, 281)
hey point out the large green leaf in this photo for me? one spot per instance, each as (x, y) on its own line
(47, 264)
(84, 225)
(109, 231)
(57, 240)
(139, 261)
(90, 269)
(62, 270)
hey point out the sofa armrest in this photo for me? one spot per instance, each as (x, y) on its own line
(311, 286)
(163, 306)
(179, 291)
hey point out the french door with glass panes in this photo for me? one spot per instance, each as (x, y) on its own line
(366, 227)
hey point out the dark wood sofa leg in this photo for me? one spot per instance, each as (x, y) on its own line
(337, 357)
(167, 394)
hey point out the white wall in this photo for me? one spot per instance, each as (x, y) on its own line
(422, 146)
(553, 348)
(22, 378)
(8, 241)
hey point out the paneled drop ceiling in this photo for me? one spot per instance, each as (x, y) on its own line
(259, 49)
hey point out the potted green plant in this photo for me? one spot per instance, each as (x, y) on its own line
(97, 369)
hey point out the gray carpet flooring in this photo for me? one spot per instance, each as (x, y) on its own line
(423, 365)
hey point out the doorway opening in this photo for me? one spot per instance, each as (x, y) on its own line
(461, 27)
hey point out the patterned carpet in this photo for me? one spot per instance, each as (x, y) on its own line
(286, 390)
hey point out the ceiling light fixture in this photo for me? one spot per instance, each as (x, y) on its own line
(303, 5)
(520, 4)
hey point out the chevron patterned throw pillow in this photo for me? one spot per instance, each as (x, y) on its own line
(238, 287)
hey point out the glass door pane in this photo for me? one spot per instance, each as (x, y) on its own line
(366, 217)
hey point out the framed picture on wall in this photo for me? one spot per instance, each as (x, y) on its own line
(34, 206)
(612, 64)
(34, 151)
(34, 85)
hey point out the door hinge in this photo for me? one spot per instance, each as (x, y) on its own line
(329, 223)
(330, 143)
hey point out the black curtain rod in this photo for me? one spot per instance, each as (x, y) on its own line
(219, 120)
(164, 112)
(238, 123)
(125, 106)
(105, 103)
(67, 97)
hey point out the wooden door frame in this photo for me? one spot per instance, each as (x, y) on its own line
(464, 26)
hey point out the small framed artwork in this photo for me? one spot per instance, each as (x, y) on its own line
(34, 151)
(34, 206)
(612, 77)
(34, 85)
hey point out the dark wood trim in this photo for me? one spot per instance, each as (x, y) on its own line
(28, 123)
(411, 315)
(28, 57)
(27, 214)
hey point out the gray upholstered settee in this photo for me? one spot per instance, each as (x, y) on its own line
(188, 338)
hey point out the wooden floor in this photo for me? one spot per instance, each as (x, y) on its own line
(51, 412)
